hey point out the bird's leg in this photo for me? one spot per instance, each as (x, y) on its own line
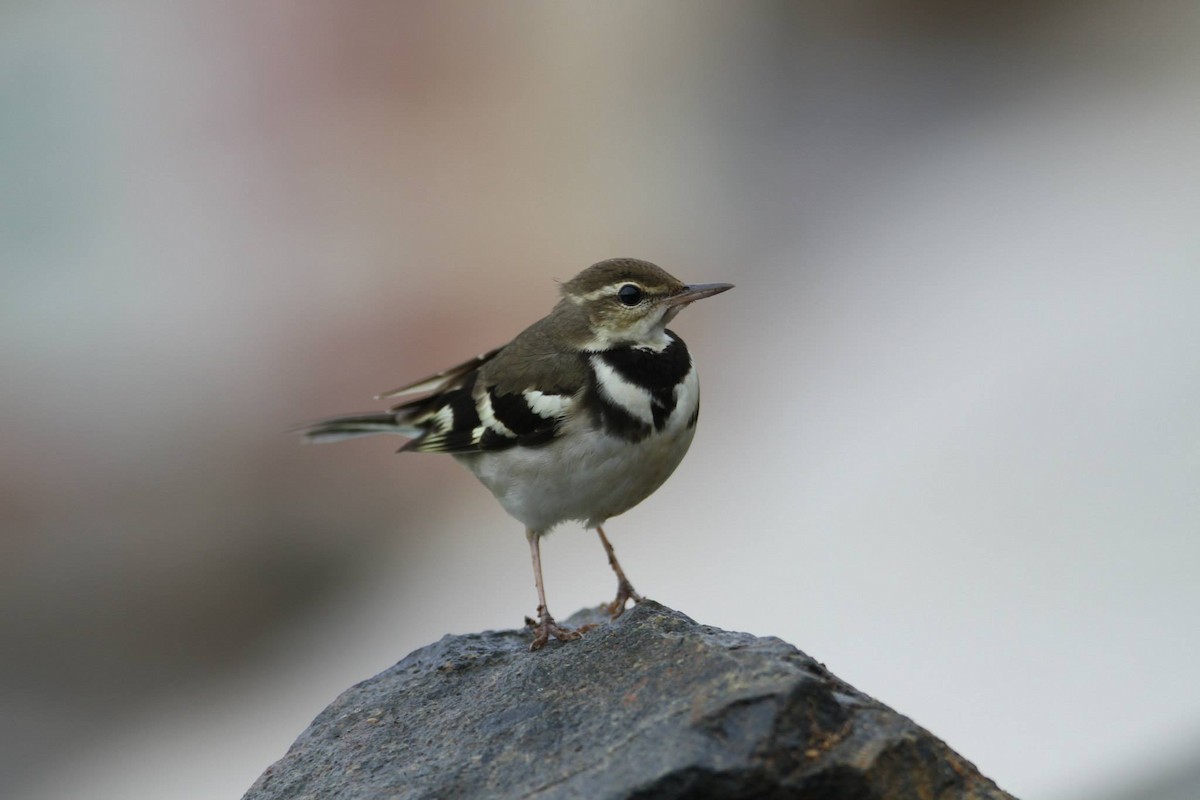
(625, 590)
(545, 627)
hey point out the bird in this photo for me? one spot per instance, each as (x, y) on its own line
(579, 418)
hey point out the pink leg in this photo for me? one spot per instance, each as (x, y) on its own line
(625, 590)
(545, 627)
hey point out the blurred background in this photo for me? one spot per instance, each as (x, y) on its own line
(951, 432)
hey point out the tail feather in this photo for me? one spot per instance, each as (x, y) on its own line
(352, 426)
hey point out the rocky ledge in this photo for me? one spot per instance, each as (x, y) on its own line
(653, 705)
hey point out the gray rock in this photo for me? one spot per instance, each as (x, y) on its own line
(650, 706)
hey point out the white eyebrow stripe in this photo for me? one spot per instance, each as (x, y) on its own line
(609, 290)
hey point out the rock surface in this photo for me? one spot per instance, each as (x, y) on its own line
(653, 705)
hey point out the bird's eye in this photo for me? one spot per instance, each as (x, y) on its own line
(630, 295)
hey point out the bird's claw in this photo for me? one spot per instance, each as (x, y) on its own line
(625, 593)
(545, 627)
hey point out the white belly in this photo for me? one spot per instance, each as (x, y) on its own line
(585, 474)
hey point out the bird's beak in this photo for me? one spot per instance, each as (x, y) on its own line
(695, 292)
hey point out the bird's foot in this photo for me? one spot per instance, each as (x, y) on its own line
(625, 593)
(545, 627)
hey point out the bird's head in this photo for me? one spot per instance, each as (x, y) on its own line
(629, 302)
